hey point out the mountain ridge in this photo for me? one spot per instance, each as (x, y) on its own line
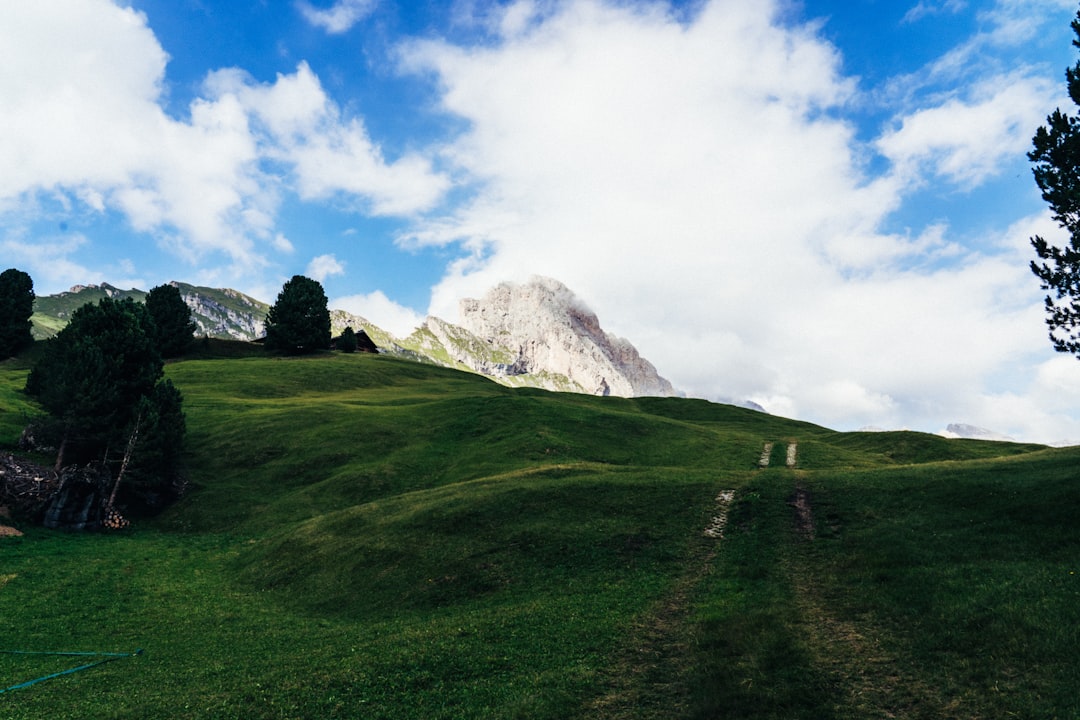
(499, 337)
(547, 340)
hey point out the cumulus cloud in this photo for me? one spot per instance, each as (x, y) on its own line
(693, 180)
(966, 141)
(84, 123)
(339, 17)
(282, 243)
(324, 266)
(377, 308)
(73, 113)
(330, 155)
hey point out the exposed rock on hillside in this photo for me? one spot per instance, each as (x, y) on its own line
(541, 327)
(226, 313)
(455, 346)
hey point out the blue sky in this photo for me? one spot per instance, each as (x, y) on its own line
(822, 206)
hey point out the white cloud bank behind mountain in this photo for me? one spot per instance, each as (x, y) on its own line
(698, 184)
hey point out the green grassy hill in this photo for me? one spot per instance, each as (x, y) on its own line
(53, 312)
(370, 537)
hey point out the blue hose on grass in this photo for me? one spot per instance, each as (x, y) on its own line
(105, 657)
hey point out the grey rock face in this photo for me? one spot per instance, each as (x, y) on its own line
(225, 313)
(547, 330)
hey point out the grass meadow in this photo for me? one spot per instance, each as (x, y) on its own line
(367, 537)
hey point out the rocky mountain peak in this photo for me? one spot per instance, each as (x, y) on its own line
(547, 329)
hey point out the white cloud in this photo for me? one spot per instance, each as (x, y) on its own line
(47, 260)
(65, 92)
(282, 243)
(339, 17)
(330, 155)
(377, 308)
(968, 141)
(1043, 409)
(83, 122)
(693, 181)
(324, 266)
(926, 9)
(1008, 31)
(1013, 22)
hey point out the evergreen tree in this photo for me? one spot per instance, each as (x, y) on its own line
(347, 342)
(174, 330)
(156, 475)
(16, 307)
(1056, 155)
(299, 321)
(93, 376)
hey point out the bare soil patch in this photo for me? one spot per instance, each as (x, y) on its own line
(802, 502)
(766, 453)
(647, 679)
(6, 530)
(719, 521)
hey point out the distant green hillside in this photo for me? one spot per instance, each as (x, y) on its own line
(218, 313)
(372, 537)
(52, 312)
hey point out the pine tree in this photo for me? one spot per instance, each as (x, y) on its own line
(174, 330)
(347, 342)
(299, 321)
(156, 475)
(93, 375)
(1056, 155)
(16, 307)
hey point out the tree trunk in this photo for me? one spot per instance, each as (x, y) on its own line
(123, 465)
(60, 452)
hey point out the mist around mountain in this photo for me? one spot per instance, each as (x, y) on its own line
(973, 432)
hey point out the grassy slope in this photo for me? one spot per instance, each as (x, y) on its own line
(371, 537)
(52, 312)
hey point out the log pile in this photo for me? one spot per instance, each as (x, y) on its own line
(76, 498)
(25, 487)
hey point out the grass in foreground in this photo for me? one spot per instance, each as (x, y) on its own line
(944, 590)
(373, 538)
